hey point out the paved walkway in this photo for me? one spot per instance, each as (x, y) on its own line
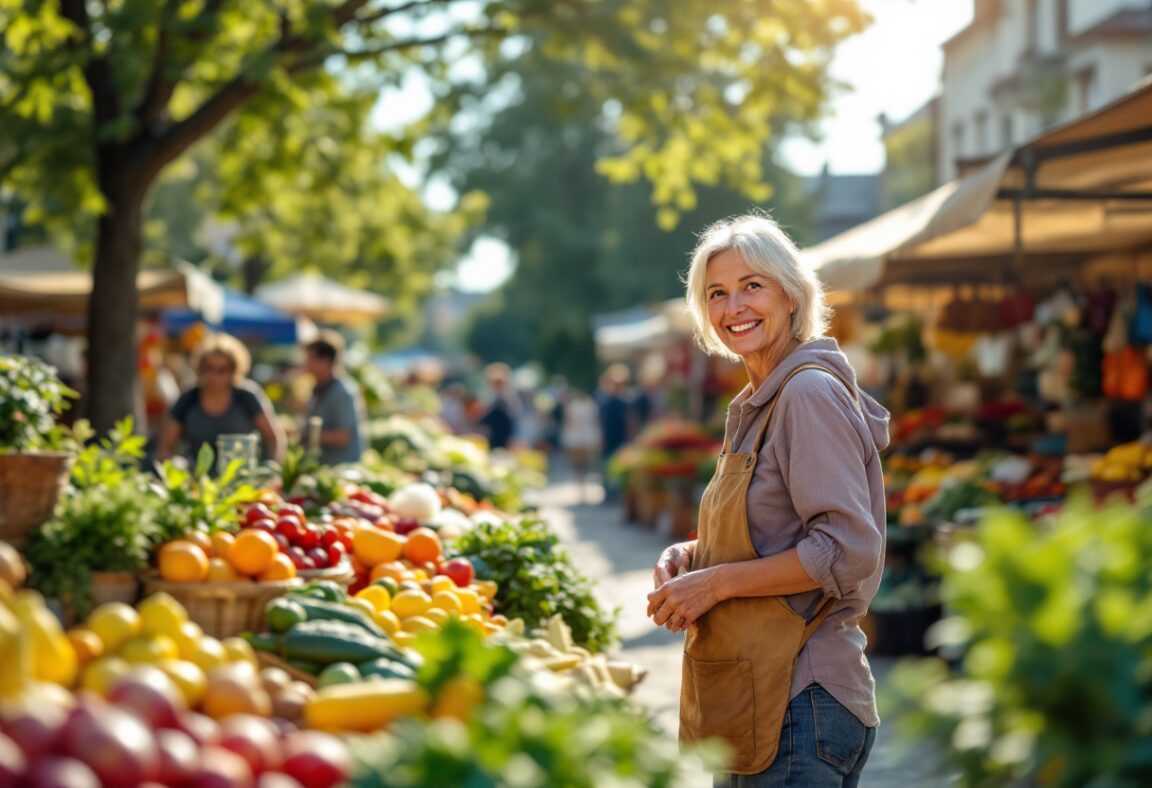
(621, 556)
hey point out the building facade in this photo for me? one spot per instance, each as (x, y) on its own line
(1022, 66)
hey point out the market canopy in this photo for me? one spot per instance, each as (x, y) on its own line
(323, 300)
(40, 283)
(245, 318)
(1082, 188)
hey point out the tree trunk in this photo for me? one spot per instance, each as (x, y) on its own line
(253, 271)
(114, 305)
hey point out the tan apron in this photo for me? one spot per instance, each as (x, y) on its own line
(739, 658)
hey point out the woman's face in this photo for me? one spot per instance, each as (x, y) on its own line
(216, 370)
(748, 311)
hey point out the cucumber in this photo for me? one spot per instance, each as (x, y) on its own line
(326, 642)
(319, 610)
(387, 668)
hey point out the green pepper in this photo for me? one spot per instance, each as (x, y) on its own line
(282, 614)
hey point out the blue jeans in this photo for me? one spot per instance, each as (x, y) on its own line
(822, 745)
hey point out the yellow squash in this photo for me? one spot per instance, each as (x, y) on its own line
(364, 707)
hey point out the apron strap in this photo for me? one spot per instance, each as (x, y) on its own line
(776, 397)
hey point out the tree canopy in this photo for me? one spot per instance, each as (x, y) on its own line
(97, 99)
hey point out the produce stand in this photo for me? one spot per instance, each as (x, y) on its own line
(287, 611)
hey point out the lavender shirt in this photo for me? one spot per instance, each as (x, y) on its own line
(818, 487)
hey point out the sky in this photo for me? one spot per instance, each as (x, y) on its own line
(893, 68)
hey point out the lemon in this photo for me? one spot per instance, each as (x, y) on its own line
(448, 602)
(209, 654)
(114, 623)
(101, 673)
(144, 649)
(442, 583)
(363, 605)
(187, 677)
(469, 600)
(188, 638)
(438, 615)
(387, 621)
(239, 650)
(411, 603)
(161, 614)
(377, 596)
(414, 624)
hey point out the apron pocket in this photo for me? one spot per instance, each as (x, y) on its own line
(722, 704)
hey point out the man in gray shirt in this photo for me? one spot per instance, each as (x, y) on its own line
(336, 400)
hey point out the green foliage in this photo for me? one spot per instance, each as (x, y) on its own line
(525, 733)
(537, 578)
(31, 397)
(1055, 625)
(192, 500)
(105, 522)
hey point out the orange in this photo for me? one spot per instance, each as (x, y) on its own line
(392, 569)
(423, 545)
(281, 568)
(183, 562)
(201, 540)
(86, 643)
(222, 542)
(220, 571)
(374, 546)
(252, 552)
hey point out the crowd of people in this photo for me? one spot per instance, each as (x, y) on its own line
(191, 401)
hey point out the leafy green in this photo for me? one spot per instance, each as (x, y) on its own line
(194, 500)
(31, 397)
(106, 521)
(1054, 623)
(537, 578)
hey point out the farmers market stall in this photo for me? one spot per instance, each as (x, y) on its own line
(325, 627)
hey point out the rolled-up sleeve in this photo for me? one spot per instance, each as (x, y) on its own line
(822, 458)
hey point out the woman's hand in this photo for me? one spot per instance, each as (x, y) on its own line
(677, 603)
(674, 561)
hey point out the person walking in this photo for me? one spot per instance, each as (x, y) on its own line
(791, 531)
(580, 435)
(502, 409)
(335, 400)
(222, 402)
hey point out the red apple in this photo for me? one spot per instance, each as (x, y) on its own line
(150, 695)
(277, 780)
(293, 510)
(459, 570)
(114, 742)
(35, 731)
(319, 557)
(336, 553)
(309, 536)
(55, 772)
(257, 511)
(297, 555)
(282, 541)
(221, 768)
(318, 760)
(178, 757)
(254, 739)
(200, 727)
(13, 763)
(290, 527)
(266, 524)
(329, 537)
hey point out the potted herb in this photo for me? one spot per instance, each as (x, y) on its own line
(98, 542)
(35, 452)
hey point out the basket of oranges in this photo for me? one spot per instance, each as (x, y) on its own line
(223, 579)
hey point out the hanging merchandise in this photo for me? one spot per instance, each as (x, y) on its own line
(1140, 330)
(1098, 313)
(1125, 375)
(991, 354)
(1017, 309)
(1085, 347)
(1116, 335)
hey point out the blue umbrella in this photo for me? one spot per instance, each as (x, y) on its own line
(243, 317)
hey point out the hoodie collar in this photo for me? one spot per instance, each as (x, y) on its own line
(814, 351)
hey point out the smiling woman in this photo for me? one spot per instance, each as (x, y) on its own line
(791, 528)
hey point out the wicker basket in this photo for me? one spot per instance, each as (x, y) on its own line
(268, 660)
(30, 485)
(223, 609)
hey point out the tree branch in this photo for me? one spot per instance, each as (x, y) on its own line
(353, 56)
(160, 85)
(412, 5)
(97, 74)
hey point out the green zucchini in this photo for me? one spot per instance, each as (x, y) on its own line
(319, 610)
(326, 642)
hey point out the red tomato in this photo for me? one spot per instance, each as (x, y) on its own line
(459, 570)
(257, 511)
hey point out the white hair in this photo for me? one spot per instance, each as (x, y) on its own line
(768, 251)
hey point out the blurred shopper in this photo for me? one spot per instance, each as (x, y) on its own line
(222, 402)
(791, 533)
(502, 410)
(454, 408)
(580, 434)
(335, 400)
(615, 418)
